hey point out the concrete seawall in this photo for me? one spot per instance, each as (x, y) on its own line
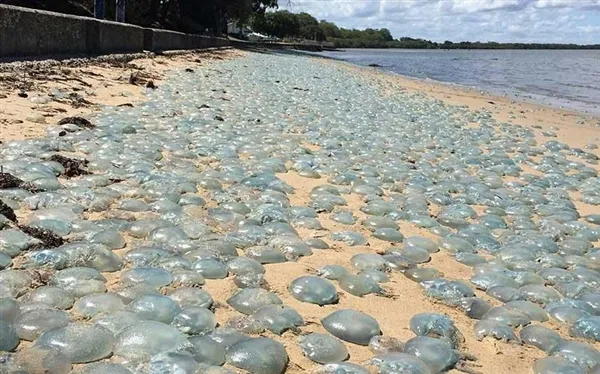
(29, 32)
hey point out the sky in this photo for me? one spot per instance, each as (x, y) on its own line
(552, 21)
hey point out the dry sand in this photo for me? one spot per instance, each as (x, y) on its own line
(86, 85)
(110, 86)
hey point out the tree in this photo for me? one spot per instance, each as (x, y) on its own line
(330, 29)
(309, 27)
(281, 24)
(386, 35)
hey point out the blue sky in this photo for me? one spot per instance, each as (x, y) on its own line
(558, 21)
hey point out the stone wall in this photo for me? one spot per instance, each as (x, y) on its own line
(29, 32)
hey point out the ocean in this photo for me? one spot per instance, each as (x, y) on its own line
(561, 78)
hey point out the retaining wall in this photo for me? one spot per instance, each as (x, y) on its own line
(30, 32)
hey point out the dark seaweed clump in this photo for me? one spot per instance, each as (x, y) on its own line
(7, 212)
(73, 167)
(79, 121)
(49, 239)
(8, 180)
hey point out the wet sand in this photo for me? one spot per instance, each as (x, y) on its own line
(574, 128)
(110, 86)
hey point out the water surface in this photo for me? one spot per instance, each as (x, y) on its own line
(569, 79)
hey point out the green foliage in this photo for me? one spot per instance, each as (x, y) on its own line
(330, 29)
(284, 24)
(369, 38)
(195, 16)
(309, 27)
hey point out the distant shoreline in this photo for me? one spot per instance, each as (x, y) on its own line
(578, 48)
(490, 74)
(416, 43)
(519, 111)
(461, 49)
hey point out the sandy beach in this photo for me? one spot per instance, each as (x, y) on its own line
(37, 97)
(108, 84)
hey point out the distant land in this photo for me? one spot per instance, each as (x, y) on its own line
(302, 26)
(412, 43)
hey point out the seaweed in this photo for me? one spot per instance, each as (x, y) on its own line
(8, 180)
(49, 239)
(72, 166)
(7, 212)
(79, 121)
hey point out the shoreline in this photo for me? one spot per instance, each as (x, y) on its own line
(585, 108)
(504, 109)
(109, 76)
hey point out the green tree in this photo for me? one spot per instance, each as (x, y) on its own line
(330, 29)
(386, 35)
(281, 24)
(309, 27)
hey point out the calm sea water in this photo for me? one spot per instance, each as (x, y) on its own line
(570, 79)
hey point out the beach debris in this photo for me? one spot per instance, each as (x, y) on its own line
(351, 326)
(251, 300)
(315, 290)
(10, 338)
(540, 337)
(78, 121)
(385, 344)
(548, 365)
(146, 339)
(397, 362)
(587, 327)
(48, 238)
(195, 321)
(581, 354)
(323, 348)
(79, 342)
(436, 353)
(360, 285)
(8, 180)
(73, 167)
(258, 355)
(496, 330)
(344, 367)
(278, 318)
(33, 323)
(332, 272)
(7, 212)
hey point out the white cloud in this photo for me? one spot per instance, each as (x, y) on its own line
(471, 6)
(560, 21)
(567, 3)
